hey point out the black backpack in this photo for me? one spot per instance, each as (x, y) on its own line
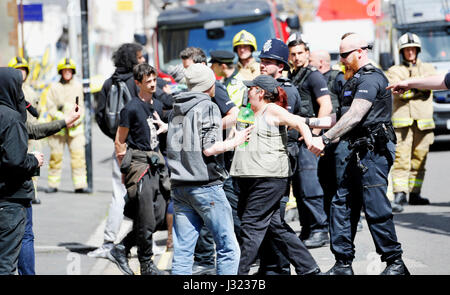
(118, 97)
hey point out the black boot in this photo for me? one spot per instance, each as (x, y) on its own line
(341, 268)
(84, 190)
(35, 201)
(396, 208)
(51, 190)
(400, 198)
(149, 268)
(396, 268)
(316, 240)
(416, 199)
(118, 255)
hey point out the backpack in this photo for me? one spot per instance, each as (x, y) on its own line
(118, 97)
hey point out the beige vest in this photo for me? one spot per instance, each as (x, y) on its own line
(266, 153)
(250, 71)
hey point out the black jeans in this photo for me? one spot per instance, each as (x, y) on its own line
(148, 212)
(204, 249)
(13, 217)
(259, 211)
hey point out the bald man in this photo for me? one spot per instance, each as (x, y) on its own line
(365, 123)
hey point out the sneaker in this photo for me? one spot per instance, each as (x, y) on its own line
(198, 269)
(118, 255)
(400, 198)
(396, 208)
(149, 268)
(102, 251)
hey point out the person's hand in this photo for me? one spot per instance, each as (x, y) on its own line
(162, 127)
(316, 146)
(73, 116)
(243, 135)
(39, 157)
(399, 88)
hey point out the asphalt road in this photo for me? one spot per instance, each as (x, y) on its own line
(68, 225)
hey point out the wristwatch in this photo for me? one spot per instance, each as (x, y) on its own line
(326, 140)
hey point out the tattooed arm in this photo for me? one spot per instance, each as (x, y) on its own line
(358, 109)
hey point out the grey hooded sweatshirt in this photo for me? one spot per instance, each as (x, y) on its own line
(195, 124)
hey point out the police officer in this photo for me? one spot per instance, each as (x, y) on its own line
(61, 100)
(307, 190)
(244, 44)
(223, 66)
(413, 122)
(365, 123)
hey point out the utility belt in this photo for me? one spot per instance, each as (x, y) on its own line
(370, 138)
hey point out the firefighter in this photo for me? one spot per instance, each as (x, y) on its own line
(61, 100)
(413, 122)
(244, 43)
(33, 107)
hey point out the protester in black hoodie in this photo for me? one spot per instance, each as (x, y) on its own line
(16, 168)
(125, 58)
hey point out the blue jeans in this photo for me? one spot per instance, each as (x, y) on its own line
(193, 207)
(26, 257)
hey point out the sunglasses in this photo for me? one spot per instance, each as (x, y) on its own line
(345, 54)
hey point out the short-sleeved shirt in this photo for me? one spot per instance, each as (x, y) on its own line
(372, 87)
(222, 100)
(317, 84)
(137, 116)
(447, 80)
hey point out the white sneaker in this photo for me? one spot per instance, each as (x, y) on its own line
(102, 251)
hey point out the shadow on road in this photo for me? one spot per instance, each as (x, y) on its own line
(440, 146)
(77, 247)
(436, 223)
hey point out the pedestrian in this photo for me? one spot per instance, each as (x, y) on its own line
(274, 60)
(204, 261)
(16, 169)
(365, 123)
(61, 99)
(244, 44)
(194, 149)
(262, 169)
(125, 58)
(413, 122)
(142, 165)
(316, 102)
(33, 107)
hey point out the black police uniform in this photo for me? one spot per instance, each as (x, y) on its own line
(365, 178)
(305, 182)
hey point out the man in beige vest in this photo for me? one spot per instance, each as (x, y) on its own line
(61, 100)
(413, 122)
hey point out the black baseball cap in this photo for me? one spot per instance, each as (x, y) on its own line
(221, 56)
(265, 82)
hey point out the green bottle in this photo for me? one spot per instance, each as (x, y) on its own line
(245, 119)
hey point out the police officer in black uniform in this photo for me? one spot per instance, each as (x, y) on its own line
(273, 61)
(315, 102)
(365, 123)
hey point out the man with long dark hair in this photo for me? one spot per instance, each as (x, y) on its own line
(125, 58)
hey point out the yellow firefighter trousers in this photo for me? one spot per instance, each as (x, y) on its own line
(411, 153)
(78, 161)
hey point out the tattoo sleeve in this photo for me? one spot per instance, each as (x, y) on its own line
(350, 119)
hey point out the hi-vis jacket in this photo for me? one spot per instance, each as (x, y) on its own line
(61, 101)
(415, 104)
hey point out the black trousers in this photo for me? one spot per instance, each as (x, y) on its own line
(13, 218)
(148, 213)
(259, 212)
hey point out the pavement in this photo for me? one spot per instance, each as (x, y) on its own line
(67, 225)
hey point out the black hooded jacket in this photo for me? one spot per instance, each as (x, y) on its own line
(16, 165)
